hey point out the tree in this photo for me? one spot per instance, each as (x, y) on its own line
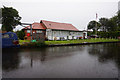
(93, 25)
(118, 15)
(103, 22)
(21, 34)
(111, 25)
(10, 18)
(118, 20)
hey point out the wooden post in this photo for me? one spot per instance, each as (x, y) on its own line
(31, 31)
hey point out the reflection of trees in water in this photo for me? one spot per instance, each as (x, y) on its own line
(106, 52)
(10, 59)
(49, 53)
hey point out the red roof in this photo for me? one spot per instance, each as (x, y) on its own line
(36, 26)
(59, 26)
(52, 25)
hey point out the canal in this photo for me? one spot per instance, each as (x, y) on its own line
(82, 61)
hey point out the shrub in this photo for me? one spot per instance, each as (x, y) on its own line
(34, 44)
(21, 34)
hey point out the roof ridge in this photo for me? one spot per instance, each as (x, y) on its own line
(56, 22)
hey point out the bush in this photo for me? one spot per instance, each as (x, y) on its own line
(34, 44)
(111, 34)
(21, 34)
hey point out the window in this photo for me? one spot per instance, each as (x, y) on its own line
(12, 35)
(38, 31)
(33, 32)
(28, 31)
(5, 36)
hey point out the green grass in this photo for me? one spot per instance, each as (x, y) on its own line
(73, 41)
(80, 41)
(23, 41)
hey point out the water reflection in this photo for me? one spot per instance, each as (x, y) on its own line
(51, 53)
(10, 59)
(106, 52)
(83, 61)
(13, 58)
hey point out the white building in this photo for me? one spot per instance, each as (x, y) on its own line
(55, 31)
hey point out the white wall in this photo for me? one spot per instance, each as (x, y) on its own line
(56, 35)
(49, 34)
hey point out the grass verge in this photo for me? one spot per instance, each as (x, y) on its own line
(80, 41)
(27, 43)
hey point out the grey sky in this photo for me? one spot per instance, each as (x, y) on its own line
(76, 12)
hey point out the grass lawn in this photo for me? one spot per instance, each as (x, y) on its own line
(23, 41)
(73, 41)
(81, 41)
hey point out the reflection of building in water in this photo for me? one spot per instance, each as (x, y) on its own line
(45, 54)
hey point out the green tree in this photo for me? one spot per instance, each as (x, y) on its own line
(103, 22)
(20, 34)
(111, 25)
(118, 20)
(93, 25)
(10, 18)
(118, 15)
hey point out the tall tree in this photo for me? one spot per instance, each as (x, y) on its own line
(93, 25)
(103, 22)
(118, 21)
(111, 25)
(10, 18)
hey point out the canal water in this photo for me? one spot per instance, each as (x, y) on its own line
(82, 61)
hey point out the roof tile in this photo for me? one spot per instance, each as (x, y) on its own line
(36, 26)
(59, 26)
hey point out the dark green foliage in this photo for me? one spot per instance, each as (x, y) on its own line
(110, 28)
(34, 44)
(110, 34)
(21, 34)
(10, 18)
(104, 23)
(89, 33)
(93, 25)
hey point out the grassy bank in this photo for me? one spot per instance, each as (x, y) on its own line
(26, 42)
(23, 41)
(80, 41)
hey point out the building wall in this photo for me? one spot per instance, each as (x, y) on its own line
(36, 34)
(55, 35)
(63, 35)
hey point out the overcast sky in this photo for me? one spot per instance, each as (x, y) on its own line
(76, 12)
